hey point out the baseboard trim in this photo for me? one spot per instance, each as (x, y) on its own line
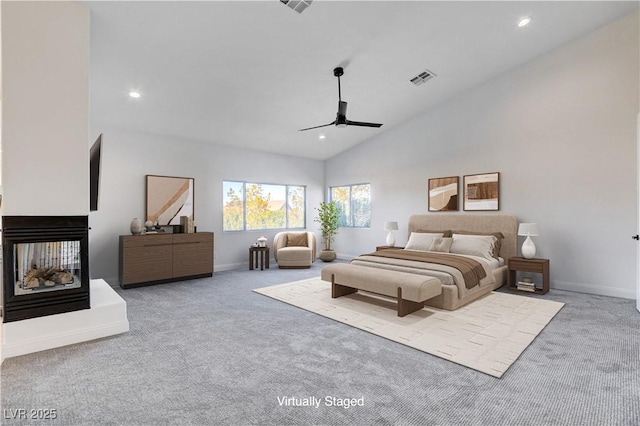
(594, 289)
(559, 285)
(232, 266)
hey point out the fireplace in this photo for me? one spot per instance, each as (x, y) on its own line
(46, 265)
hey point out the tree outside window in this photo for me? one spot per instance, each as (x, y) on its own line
(295, 206)
(233, 210)
(256, 206)
(355, 204)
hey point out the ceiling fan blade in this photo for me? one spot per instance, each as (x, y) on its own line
(317, 127)
(362, 124)
(341, 116)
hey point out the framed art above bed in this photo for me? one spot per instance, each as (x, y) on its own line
(482, 192)
(443, 194)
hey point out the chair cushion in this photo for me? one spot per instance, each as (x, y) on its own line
(289, 254)
(297, 239)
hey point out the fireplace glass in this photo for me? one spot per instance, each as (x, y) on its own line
(46, 266)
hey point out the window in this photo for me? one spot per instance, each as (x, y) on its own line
(254, 206)
(355, 204)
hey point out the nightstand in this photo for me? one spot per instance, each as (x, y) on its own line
(378, 248)
(259, 256)
(538, 266)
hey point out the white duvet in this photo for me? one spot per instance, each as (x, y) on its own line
(446, 274)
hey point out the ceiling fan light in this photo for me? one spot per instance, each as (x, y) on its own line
(341, 125)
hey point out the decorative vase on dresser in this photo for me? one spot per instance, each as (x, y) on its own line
(136, 226)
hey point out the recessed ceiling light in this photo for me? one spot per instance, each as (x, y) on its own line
(321, 137)
(134, 94)
(524, 22)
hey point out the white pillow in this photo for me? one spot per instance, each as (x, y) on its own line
(421, 240)
(473, 245)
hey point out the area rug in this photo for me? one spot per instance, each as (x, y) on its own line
(488, 335)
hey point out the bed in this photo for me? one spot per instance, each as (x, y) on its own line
(457, 291)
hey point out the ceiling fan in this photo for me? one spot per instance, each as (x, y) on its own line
(341, 117)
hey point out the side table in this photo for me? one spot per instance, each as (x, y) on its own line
(539, 266)
(258, 256)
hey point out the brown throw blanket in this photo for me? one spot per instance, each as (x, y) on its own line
(472, 270)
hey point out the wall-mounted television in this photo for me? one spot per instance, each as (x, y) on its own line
(94, 174)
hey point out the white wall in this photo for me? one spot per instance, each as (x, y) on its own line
(561, 131)
(45, 114)
(128, 157)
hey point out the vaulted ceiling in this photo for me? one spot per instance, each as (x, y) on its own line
(251, 73)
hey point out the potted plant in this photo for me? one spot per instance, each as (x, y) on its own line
(328, 218)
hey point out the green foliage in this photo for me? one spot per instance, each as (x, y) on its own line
(342, 196)
(233, 212)
(296, 207)
(355, 202)
(328, 218)
(253, 206)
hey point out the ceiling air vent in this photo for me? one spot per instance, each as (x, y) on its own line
(422, 77)
(297, 5)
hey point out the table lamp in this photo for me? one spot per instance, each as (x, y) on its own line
(528, 230)
(391, 226)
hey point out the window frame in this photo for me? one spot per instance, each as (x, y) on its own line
(243, 199)
(351, 206)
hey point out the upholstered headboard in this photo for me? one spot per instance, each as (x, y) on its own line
(504, 223)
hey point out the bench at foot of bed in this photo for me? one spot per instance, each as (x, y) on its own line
(411, 290)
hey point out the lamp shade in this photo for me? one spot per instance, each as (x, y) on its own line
(391, 226)
(528, 230)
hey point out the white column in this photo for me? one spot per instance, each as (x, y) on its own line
(45, 108)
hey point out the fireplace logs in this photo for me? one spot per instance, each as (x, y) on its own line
(47, 277)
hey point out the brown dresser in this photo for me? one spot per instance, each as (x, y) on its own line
(159, 258)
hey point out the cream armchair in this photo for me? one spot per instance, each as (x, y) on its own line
(294, 250)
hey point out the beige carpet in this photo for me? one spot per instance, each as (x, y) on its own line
(487, 335)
